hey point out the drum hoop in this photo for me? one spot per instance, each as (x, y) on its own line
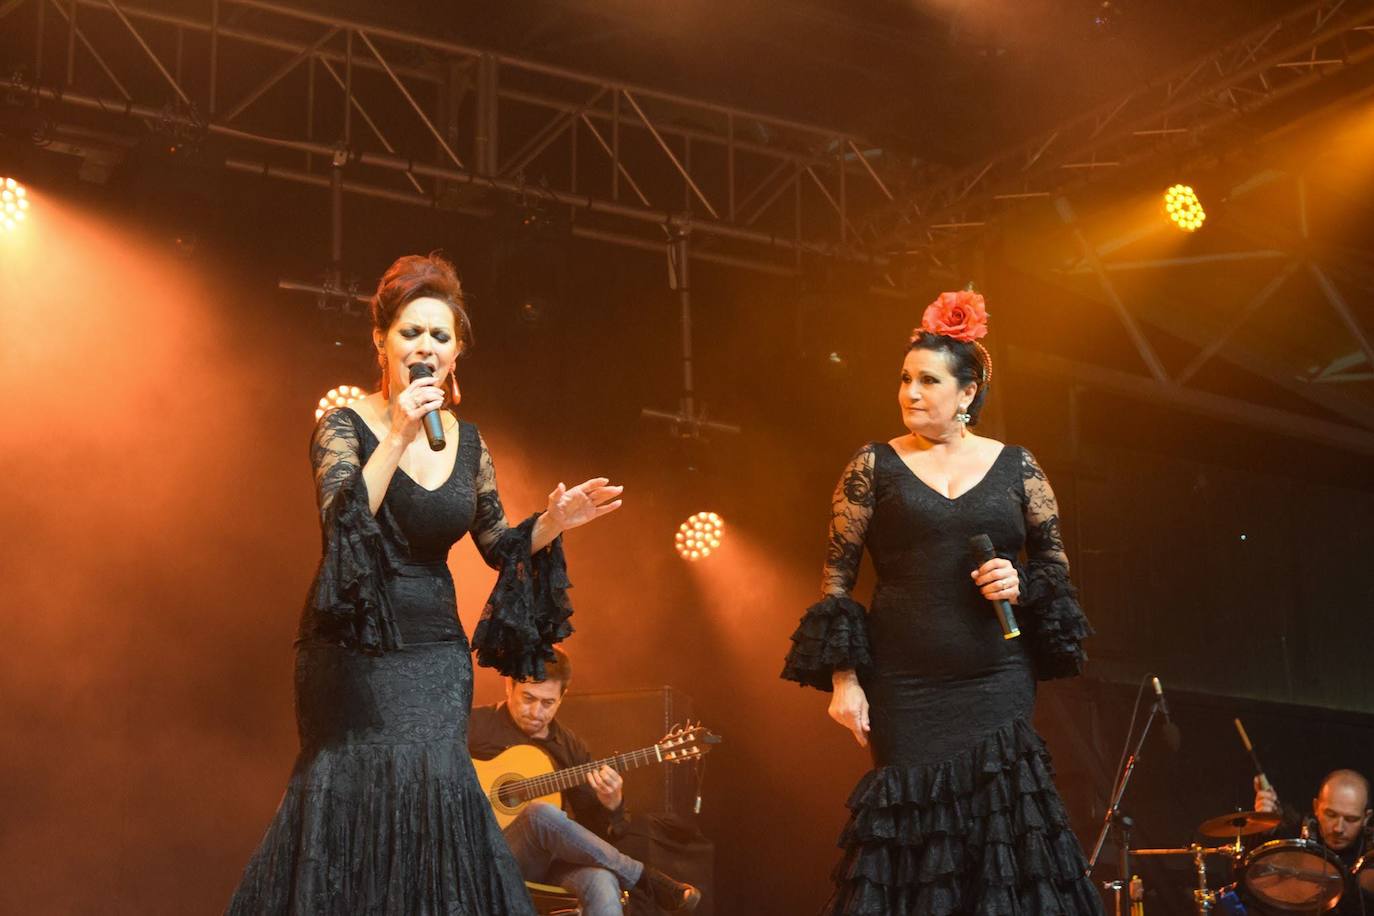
(1293, 845)
(1296, 845)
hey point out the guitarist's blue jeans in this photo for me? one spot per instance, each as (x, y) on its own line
(553, 848)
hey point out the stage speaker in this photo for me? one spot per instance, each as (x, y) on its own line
(615, 721)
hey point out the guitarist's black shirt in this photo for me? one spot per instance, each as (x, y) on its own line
(491, 730)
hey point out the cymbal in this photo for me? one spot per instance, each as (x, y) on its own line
(1241, 823)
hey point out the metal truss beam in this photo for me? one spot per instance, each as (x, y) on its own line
(1182, 109)
(613, 153)
(1291, 251)
(1202, 403)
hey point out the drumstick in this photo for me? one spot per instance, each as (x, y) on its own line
(1250, 749)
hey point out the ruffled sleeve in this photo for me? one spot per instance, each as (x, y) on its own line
(529, 609)
(833, 633)
(1048, 607)
(348, 599)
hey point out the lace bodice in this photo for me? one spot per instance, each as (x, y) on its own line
(351, 599)
(918, 538)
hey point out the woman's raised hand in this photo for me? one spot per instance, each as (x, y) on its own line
(572, 507)
(849, 705)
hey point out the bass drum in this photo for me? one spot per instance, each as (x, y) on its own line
(1292, 876)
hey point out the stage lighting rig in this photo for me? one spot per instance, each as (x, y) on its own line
(1182, 206)
(341, 396)
(689, 421)
(699, 535)
(14, 204)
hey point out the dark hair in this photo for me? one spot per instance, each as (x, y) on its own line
(559, 669)
(965, 361)
(417, 276)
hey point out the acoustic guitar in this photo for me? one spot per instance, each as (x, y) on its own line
(523, 774)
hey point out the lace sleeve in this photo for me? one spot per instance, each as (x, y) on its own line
(833, 633)
(1056, 622)
(348, 597)
(529, 609)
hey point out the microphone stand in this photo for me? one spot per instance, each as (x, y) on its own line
(1121, 821)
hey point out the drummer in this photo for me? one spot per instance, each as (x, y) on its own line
(1342, 813)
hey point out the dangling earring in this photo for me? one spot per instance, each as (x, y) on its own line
(962, 417)
(386, 374)
(454, 393)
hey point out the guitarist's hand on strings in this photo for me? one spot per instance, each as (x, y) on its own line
(608, 786)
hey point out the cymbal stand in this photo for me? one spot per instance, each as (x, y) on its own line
(1113, 816)
(1203, 897)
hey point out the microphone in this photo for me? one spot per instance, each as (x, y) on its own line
(981, 547)
(434, 424)
(1171, 731)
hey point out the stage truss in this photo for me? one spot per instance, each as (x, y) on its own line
(389, 113)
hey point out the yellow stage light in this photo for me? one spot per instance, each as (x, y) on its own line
(14, 204)
(339, 397)
(1182, 206)
(699, 535)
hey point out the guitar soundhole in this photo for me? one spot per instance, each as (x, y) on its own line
(508, 796)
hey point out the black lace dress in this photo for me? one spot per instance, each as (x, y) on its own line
(383, 813)
(960, 813)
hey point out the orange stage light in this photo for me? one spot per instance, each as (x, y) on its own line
(1182, 206)
(14, 204)
(341, 396)
(699, 535)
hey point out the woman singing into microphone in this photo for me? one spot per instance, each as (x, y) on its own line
(383, 813)
(960, 813)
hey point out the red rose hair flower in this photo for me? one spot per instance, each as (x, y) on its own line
(962, 316)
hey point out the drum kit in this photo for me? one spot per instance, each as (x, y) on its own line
(1275, 878)
(1280, 877)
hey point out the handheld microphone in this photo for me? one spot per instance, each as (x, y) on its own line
(1171, 731)
(980, 545)
(434, 423)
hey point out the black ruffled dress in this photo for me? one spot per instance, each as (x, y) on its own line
(959, 813)
(383, 813)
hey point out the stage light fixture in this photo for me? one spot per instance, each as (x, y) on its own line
(699, 535)
(339, 397)
(14, 204)
(1182, 206)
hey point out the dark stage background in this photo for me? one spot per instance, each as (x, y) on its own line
(159, 536)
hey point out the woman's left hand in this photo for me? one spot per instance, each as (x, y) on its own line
(570, 508)
(998, 580)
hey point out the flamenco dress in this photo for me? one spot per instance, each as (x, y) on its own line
(959, 813)
(383, 813)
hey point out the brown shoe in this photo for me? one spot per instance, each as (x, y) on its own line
(670, 895)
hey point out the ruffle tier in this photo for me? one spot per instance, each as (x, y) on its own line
(383, 830)
(1054, 624)
(832, 634)
(529, 608)
(983, 832)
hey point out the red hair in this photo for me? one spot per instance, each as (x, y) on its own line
(420, 276)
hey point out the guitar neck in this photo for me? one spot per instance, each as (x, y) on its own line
(560, 780)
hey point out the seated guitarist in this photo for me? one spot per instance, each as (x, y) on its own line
(569, 849)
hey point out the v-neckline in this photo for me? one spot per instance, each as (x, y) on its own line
(457, 447)
(950, 499)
